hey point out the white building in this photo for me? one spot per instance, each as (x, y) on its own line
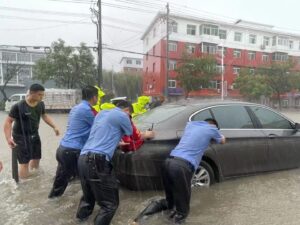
(21, 60)
(130, 64)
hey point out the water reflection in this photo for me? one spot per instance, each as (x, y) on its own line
(265, 199)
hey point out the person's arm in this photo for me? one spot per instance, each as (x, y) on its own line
(48, 120)
(8, 130)
(223, 139)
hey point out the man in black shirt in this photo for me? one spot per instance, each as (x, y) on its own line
(21, 129)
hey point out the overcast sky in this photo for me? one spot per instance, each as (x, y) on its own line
(122, 28)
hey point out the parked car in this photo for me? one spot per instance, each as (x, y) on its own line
(13, 100)
(259, 139)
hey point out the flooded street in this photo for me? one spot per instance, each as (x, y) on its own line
(261, 200)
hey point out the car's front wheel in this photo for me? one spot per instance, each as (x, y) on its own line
(203, 176)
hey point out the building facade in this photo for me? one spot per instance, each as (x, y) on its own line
(236, 45)
(19, 61)
(133, 65)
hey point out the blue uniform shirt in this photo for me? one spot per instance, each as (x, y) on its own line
(195, 140)
(79, 126)
(108, 129)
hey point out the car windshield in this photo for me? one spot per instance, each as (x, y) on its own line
(159, 114)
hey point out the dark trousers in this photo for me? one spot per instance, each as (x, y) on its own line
(67, 168)
(177, 176)
(100, 185)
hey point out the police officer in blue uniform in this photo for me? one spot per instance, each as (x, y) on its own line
(79, 126)
(183, 161)
(98, 181)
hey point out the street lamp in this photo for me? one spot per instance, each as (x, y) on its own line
(222, 63)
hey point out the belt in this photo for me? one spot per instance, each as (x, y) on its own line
(96, 156)
(190, 165)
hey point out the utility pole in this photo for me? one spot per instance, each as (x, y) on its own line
(167, 54)
(222, 70)
(99, 34)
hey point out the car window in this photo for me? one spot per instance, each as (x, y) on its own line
(270, 119)
(232, 117)
(201, 115)
(159, 114)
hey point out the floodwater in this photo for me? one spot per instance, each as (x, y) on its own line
(272, 198)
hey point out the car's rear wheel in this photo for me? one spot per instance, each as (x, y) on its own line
(203, 176)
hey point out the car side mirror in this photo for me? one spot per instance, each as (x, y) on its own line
(296, 127)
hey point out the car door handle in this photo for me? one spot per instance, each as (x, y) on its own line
(272, 136)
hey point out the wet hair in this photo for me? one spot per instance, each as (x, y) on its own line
(36, 88)
(125, 104)
(89, 92)
(212, 121)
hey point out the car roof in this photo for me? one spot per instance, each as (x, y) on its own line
(207, 103)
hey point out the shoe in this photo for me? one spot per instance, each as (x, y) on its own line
(179, 218)
(172, 213)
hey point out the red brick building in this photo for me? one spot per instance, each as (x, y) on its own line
(246, 45)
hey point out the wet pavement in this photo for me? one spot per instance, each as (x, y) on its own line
(272, 198)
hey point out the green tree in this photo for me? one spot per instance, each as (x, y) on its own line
(123, 84)
(67, 66)
(279, 78)
(10, 71)
(252, 86)
(196, 72)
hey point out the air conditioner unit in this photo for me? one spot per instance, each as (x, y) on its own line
(262, 47)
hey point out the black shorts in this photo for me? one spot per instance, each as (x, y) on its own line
(28, 147)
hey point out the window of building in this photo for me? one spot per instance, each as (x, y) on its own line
(172, 65)
(237, 53)
(291, 44)
(209, 29)
(23, 57)
(173, 27)
(171, 83)
(252, 39)
(266, 41)
(236, 70)
(191, 29)
(283, 41)
(153, 67)
(153, 50)
(154, 32)
(219, 68)
(222, 50)
(237, 36)
(252, 71)
(24, 74)
(172, 46)
(138, 62)
(190, 48)
(222, 34)
(147, 70)
(265, 57)
(280, 56)
(209, 48)
(36, 57)
(251, 55)
(214, 84)
(9, 56)
(128, 61)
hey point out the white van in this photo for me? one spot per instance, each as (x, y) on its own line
(13, 100)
